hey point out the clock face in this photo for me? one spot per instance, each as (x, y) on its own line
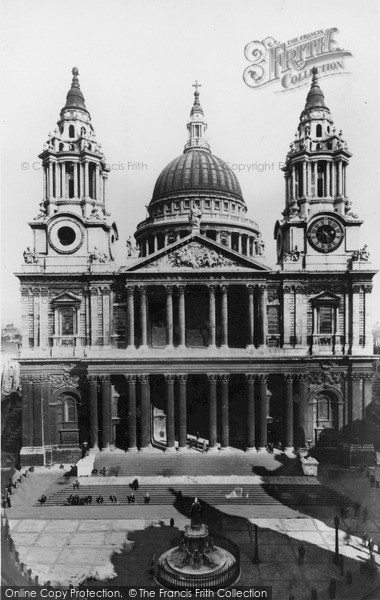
(325, 234)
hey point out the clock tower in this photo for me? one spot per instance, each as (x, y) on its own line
(319, 231)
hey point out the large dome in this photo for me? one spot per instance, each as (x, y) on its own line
(197, 170)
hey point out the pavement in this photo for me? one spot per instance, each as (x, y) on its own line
(69, 544)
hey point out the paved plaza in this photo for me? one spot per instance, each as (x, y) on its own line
(67, 545)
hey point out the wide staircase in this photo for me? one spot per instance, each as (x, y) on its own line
(265, 494)
(195, 464)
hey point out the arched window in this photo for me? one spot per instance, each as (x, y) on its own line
(71, 131)
(60, 148)
(83, 131)
(319, 131)
(69, 410)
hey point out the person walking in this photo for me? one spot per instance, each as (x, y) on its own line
(204, 447)
(370, 546)
(147, 498)
(301, 554)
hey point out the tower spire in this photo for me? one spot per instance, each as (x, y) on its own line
(197, 125)
(75, 98)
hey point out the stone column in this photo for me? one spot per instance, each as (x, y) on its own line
(169, 315)
(293, 183)
(263, 435)
(181, 316)
(309, 180)
(86, 180)
(368, 337)
(212, 413)
(93, 401)
(239, 243)
(328, 165)
(304, 184)
(64, 182)
(81, 180)
(224, 379)
(289, 442)
(302, 411)
(354, 317)
(132, 428)
(75, 171)
(211, 315)
(182, 381)
(251, 413)
(224, 289)
(251, 316)
(144, 316)
(106, 410)
(340, 176)
(50, 181)
(263, 315)
(155, 243)
(333, 180)
(130, 316)
(145, 412)
(45, 190)
(27, 411)
(315, 170)
(170, 435)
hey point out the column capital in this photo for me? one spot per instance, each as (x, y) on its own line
(356, 289)
(262, 287)
(224, 377)
(130, 378)
(211, 287)
(130, 289)
(105, 378)
(169, 288)
(368, 288)
(251, 377)
(181, 289)
(224, 288)
(289, 377)
(92, 378)
(302, 377)
(250, 287)
(213, 377)
(262, 378)
(182, 377)
(142, 289)
(170, 378)
(143, 378)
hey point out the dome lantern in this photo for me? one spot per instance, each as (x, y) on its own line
(197, 126)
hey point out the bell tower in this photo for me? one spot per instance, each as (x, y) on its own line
(73, 224)
(318, 229)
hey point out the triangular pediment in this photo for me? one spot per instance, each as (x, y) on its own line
(66, 298)
(196, 252)
(325, 297)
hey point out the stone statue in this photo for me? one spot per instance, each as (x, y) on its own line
(30, 258)
(195, 514)
(129, 246)
(259, 247)
(195, 216)
(97, 256)
(361, 255)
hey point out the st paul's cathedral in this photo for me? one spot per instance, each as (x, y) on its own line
(195, 335)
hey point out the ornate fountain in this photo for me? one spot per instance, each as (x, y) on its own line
(198, 559)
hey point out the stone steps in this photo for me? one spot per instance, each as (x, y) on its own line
(294, 495)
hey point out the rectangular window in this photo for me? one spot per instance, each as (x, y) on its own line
(326, 319)
(67, 321)
(225, 205)
(217, 204)
(273, 320)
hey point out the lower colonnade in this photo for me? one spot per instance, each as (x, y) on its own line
(139, 411)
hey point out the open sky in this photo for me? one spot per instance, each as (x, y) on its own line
(137, 61)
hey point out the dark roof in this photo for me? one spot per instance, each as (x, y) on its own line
(197, 170)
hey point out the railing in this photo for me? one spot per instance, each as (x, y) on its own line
(225, 576)
(205, 219)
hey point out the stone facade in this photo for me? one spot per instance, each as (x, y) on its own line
(194, 336)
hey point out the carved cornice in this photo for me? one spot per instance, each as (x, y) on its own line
(324, 378)
(357, 376)
(303, 377)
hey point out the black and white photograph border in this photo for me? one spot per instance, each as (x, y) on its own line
(190, 325)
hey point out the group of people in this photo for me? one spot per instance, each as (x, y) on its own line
(77, 501)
